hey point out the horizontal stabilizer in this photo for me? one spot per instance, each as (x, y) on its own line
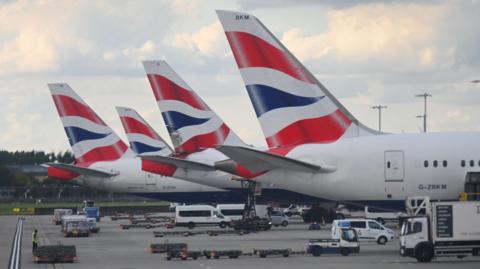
(180, 163)
(259, 161)
(81, 170)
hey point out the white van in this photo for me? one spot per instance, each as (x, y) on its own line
(233, 211)
(367, 230)
(193, 215)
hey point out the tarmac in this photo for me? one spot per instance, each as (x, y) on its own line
(115, 248)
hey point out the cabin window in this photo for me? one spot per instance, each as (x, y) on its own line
(462, 163)
(472, 163)
(425, 163)
(435, 163)
(445, 163)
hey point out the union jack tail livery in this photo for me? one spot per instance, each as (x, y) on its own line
(192, 125)
(293, 107)
(91, 139)
(141, 136)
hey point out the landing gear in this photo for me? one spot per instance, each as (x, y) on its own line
(249, 210)
(250, 221)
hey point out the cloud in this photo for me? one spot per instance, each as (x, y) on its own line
(207, 40)
(338, 4)
(186, 7)
(134, 53)
(46, 37)
(373, 32)
(28, 52)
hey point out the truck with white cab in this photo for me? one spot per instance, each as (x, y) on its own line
(443, 229)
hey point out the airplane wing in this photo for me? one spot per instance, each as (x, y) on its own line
(258, 161)
(181, 163)
(81, 170)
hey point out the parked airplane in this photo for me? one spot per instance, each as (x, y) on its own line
(196, 130)
(317, 147)
(102, 160)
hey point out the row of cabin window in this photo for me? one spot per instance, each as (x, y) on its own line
(444, 163)
(435, 163)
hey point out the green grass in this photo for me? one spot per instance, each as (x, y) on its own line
(7, 208)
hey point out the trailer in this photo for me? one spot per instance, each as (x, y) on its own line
(58, 213)
(164, 247)
(141, 225)
(121, 216)
(192, 233)
(175, 233)
(263, 253)
(440, 229)
(75, 226)
(346, 243)
(183, 254)
(216, 254)
(55, 254)
(251, 224)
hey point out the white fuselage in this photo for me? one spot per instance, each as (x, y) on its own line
(386, 167)
(218, 179)
(131, 179)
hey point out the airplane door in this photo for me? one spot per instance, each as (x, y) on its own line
(394, 167)
(394, 174)
(150, 181)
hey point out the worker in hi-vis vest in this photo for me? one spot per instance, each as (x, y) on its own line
(34, 240)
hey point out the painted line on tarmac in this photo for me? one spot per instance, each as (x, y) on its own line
(16, 253)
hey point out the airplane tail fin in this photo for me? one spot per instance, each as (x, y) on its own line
(142, 137)
(293, 107)
(192, 125)
(90, 138)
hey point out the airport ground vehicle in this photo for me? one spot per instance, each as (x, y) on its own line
(216, 254)
(251, 224)
(75, 226)
(382, 217)
(263, 253)
(346, 243)
(55, 253)
(367, 230)
(58, 213)
(194, 215)
(92, 225)
(235, 211)
(164, 247)
(342, 212)
(295, 210)
(278, 218)
(446, 229)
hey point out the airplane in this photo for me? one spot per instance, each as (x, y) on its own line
(196, 130)
(317, 147)
(104, 161)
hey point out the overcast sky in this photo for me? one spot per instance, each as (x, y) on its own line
(365, 52)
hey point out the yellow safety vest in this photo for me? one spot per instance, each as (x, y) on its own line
(34, 238)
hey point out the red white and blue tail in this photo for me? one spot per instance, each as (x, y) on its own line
(192, 125)
(293, 107)
(91, 139)
(142, 137)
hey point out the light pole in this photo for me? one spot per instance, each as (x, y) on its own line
(424, 95)
(379, 107)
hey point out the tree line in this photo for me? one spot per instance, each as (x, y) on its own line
(9, 177)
